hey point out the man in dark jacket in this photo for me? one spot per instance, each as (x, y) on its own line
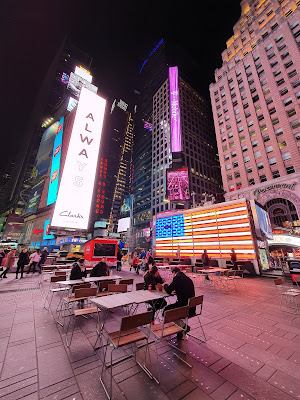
(100, 269)
(184, 289)
(78, 270)
(23, 260)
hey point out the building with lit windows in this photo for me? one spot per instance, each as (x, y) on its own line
(255, 102)
(198, 149)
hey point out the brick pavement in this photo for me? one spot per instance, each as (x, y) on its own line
(252, 350)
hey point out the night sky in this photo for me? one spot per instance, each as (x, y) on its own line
(117, 34)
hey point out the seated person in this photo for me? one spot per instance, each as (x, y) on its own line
(153, 278)
(100, 269)
(184, 289)
(78, 270)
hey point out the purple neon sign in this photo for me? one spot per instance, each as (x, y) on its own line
(175, 110)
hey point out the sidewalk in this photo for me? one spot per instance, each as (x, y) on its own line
(252, 350)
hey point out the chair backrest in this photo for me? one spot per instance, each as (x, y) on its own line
(58, 278)
(126, 281)
(117, 288)
(85, 292)
(104, 284)
(60, 273)
(176, 314)
(81, 286)
(139, 286)
(48, 269)
(195, 301)
(64, 267)
(136, 320)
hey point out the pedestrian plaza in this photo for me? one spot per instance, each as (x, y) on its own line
(252, 348)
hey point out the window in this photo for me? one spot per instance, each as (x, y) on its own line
(280, 82)
(240, 129)
(286, 156)
(290, 169)
(274, 63)
(229, 177)
(226, 157)
(227, 117)
(248, 114)
(292, 73)
(230, 135)
(262, 178)
(272, 110)
(278, 132)
(271, 55)
(260, 117)
(242, 139)
(283, 91)
(249, 170)
(236, 111)
(278, 38)
(224, 139)
(294, 25)
(267, 48)
(282, 144)
(233, 153)
(238, 120)
(266, 138)
(272, 161)
(255, 143)
(275, 121)
(244, 148)
(235, 164)
(288, 64)
(291, 112)
(251, 181)
(257, 154)
(263, 127)
(295, 124)
(246, 159)
(282, 46)
(227, 167)
(250, 123)
(225, 147)
(265, 35)
(285, 55)
(269, 149)
(239, 185)
(237, 174)
(260, 165)
(297, 136)
(231, 188)
(276, 174)
(296, 83)
(231, 145)
(252, 133)
(246, 105)
(277, 72)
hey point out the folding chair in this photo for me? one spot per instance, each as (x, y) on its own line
(228, 278)
(54, 289)
(71, 300)
(104, 284)
(169, 327)
(126, 282)
(288, 296)
(83, 294)
(129, 334)
(117, 288)
(197, 302)
(46, 271)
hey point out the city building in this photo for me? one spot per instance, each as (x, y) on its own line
(255, 102)
(152, 119)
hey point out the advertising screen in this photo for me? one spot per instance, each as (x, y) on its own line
(178, 184)
(34, 198)
(104, 250)
(47, 234)
(126, 206)
(54, 174)
(175, 110)
(72, 208)
(123, 224)
(264, 222)
(76, 83)
(13, 227)
(217, 229)
(44, 154)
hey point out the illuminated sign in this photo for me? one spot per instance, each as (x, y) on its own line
(46, 231)
(174, 110)
(84, 73)
(178, 184)
(113, 106)
(285, 239)
(72, 104)
(37, 231)
(123, 224)
(76, 82)
(121, 104)
(217, 229)
(54, 173)
(72, 208)
(100, 197)
(64, 78)
(153, 51)
(148, 125)
(34, 198)
(126, 206)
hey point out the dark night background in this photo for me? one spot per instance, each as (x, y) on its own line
(117, 34)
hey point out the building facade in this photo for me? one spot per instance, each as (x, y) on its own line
(255, 102)
(198, 148)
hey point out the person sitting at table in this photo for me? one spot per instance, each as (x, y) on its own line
(184, 288)
(78, 270)
(100, 269)
(153, 278)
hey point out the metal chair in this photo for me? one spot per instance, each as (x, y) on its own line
(53, 289)
(288, 296)
(83, 294)
(129, 334)
(126, 282)
(170, 327)
(197, 302)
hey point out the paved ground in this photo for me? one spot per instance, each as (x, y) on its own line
(252, 351)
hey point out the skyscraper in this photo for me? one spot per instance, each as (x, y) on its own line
(255, 101)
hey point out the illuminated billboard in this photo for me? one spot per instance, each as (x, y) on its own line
(178, 184)
(54, 174)
(46, 232)
(34, 198)
(174, 110)
(85, 74)
(72, 208)
(216, 228)
(123, 224)
(13, 227)
(76, 82)
(126, 206)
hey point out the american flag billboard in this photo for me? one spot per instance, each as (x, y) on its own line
(217, 228)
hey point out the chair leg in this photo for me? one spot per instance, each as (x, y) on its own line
(103, 369)
(74, 323)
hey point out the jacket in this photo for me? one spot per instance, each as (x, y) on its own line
(76, 272)
(184, 288)
(44, 256)
(151, 280)
(100, 269)
(9, 262)
(23, 258)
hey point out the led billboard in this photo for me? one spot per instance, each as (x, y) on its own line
(216, 228)
(174, 110)
(76, 82)
(54, 174)
(126, 206)
(178, 184)
(264, 222)
(123, 224)
(34, 198)
(13, 227)
(72, 208)
(46, 232)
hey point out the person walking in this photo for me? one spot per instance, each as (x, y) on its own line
(2, 256)
(43, 259)
(119, 260)
(9, 262)
(22, 261)
(34, 260)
